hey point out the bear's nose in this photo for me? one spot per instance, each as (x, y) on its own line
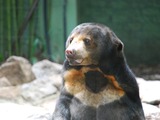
(70, 53)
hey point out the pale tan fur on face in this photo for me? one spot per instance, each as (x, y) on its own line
(79, 47)
(77, 44)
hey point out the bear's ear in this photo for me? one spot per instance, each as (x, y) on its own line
(117, 42)
(119, 45)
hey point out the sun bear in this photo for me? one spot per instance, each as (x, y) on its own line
(97, 82)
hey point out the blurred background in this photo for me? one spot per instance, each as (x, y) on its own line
(37, 29)
(32, 43)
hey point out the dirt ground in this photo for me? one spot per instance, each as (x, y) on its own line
(147, 72)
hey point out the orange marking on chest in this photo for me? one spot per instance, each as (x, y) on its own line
(115, 84)
(74, 81)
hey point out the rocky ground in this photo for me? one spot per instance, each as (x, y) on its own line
(29, 92)
(148, 72)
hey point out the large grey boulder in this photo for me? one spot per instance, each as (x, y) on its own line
(37, 90)
(46, 68)
(50, 70)
(15, 71)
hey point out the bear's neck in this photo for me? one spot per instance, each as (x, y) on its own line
(114, 66)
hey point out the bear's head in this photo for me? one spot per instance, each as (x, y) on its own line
(89, 43)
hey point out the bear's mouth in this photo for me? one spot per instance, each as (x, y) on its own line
(75, 61)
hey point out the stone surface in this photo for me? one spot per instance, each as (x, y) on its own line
(149, 109)
(151, 112)
(4, 82)
(16, 70)
(46, 68)
(43, 91)
(12, 111)
(39, 116)
(10, 93)
(149, 91)
(48, 81)
(37, 90)
(153, 116)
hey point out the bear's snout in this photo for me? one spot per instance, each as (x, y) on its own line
(70, 53)
(73, 57)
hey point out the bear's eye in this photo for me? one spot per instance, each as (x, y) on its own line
(71, 39)
(87, 41)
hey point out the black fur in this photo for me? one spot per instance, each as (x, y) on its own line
(95, 81)
(111, 62)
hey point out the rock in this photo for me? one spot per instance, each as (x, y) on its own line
(153, 116)
(37, 90)
(149, 109)
(12, 111)
(148, 91)
(10, 93)
(48, 70)
(46, 116)
(4, 82)
(56, 80)
(48, 79)
(16, 70)
(49, 103)
(151, 112)
(34, 92)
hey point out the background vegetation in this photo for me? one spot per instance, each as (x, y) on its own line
(136, 23)
(26, 28)
(37, 29)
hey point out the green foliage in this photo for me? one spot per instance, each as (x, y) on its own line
(35, 29)
(19, 34)
(1, 57)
